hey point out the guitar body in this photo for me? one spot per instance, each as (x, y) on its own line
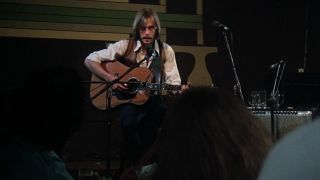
(139, 74)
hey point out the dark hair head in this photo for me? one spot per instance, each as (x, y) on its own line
(209, 134)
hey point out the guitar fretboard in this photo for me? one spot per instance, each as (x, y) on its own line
(158, 87)
(138, 85)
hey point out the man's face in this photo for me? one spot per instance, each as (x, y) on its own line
(148, 31)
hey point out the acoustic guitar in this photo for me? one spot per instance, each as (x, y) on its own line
(140, 87)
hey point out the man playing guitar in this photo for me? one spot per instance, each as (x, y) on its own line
(143, 54)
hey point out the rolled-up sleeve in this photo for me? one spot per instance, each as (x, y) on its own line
(110, 52)
(171, 72)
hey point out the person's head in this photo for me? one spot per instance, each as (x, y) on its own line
(146, 26)
(208, 133)
(49, 107)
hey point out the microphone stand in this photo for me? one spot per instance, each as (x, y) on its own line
(237, 85)
(108, 90)
(273, 100)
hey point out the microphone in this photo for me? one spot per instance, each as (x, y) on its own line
(218, 24)
(275, 65)
(152, 52)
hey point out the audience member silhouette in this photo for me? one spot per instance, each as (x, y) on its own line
(209, 134)
(295, 156)
(44, 114)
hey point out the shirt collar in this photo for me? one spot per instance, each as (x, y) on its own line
(156, 46)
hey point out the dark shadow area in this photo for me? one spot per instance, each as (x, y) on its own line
(220, 70)
(301, 90)
(185, 62)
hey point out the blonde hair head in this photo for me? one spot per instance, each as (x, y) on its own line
(140, 20)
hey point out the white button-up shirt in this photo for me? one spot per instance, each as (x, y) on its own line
(171, 72)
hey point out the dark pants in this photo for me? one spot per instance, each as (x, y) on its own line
(140, 124)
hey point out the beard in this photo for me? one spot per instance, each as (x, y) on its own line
(147, 40)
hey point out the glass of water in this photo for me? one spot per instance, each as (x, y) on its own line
(257, 99)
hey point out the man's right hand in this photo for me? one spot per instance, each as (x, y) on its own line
(120, 86)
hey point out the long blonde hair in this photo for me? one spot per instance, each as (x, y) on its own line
(140, 20)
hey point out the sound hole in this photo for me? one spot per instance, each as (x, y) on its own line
(133, 87)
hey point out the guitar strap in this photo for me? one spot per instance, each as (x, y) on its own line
(157, 65)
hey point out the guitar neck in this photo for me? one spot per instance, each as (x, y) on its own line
(158, 86)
